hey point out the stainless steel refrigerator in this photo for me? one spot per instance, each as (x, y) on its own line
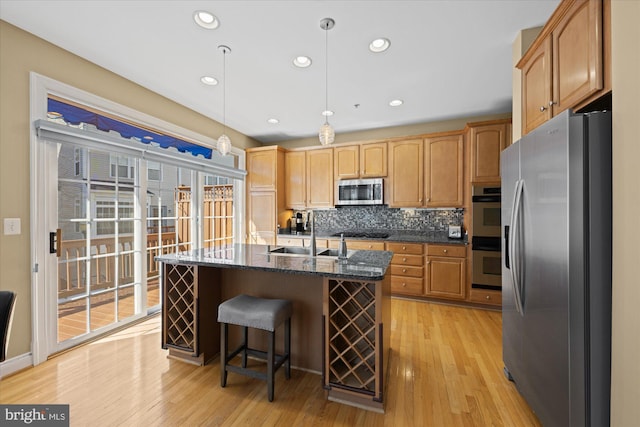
(556, 268)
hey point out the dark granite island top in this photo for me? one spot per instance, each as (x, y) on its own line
(341, 321)
(360, 265)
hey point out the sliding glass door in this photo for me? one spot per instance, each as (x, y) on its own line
(99, 241)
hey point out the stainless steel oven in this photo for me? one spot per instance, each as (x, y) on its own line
(485, 244)
(486, 263)
(486, 211)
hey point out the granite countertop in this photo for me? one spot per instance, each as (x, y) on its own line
(394, 236)
(361, 265)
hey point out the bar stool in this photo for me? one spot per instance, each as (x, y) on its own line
(259, 313)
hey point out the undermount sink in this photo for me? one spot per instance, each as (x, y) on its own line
(293, 250)
(299, 250)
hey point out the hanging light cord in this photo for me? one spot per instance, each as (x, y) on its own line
(326, 74)
(224, 91)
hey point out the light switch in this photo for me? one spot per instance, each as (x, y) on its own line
(12, 226)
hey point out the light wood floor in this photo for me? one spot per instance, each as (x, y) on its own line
(445, 370)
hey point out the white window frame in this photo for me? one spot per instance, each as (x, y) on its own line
(40, 88)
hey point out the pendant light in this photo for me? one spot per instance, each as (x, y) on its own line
(326, 134)
(224, 143)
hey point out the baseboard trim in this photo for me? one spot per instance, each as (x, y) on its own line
(15, 364)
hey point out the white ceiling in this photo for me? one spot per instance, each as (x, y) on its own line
(448, 59)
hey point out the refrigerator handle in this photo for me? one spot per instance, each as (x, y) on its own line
(514, 245)
(506, 245)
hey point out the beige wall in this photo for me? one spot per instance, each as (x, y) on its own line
(625, 372)
(20, 53)
(395, 131)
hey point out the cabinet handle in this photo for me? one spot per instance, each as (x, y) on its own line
(542, 109)
(552, 103)
(444, 250)
(404, 285)
(488, 297)
(428, 199)
(404, 259)
(404, 247)
(404, 270)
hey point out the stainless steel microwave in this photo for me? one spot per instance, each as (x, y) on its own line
(353, 192)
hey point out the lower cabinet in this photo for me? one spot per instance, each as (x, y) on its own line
(446, 274)
(367, 245)
(407, 268)
(429, 270)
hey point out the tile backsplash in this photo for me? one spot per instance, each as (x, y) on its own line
(385, 218)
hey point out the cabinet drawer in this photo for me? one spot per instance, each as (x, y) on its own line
(367, 245)
(401, 270)
(406, 285)
(406, 248)
(402, 259)
(289, 241)
(447, 250)
(485, 297)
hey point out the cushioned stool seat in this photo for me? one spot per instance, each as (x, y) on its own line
(259, 313)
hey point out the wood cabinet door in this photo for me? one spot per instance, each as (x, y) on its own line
(577, 55)
(487, 142)
(261, 217)
(444, 172)
(373, 160)
(346, 161)
(406, 170)
(320, 178)
(536, 88)
(446, 277)
(295, 179)
(262, 173)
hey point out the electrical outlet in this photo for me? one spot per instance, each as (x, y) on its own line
(12, 226)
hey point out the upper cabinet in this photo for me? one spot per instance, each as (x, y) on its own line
(360, 161)
(443, 171)
(536, 88)
(295, 179)
(373, 160)
(568, 64)
(265, 195)
(309, 178)
(346, 162)
(487, 140)
(262, 168)
(406, 173)
(319, 178)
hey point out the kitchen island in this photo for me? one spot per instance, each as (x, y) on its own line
(341, 320)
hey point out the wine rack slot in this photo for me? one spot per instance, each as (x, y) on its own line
(179, 307)
(351, 335)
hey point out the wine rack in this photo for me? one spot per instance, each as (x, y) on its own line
(180, 308)
(351, 328)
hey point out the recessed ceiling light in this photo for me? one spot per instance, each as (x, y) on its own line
(208, 80)
(206, 19)
(396, 102)
(302, 61)
(327, 113)
(273, 121)
(379, 45)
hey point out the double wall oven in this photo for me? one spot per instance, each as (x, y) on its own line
(485, 244)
